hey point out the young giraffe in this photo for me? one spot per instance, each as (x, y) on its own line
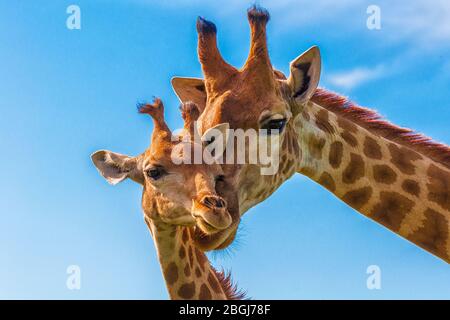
(392, 175)
(175, 197)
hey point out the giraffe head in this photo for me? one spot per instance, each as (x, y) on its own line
(255, 96)
(184, 194)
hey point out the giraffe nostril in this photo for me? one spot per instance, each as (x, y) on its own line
(213, 202)
(220, 203)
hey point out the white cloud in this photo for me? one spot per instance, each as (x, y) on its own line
(422, 22)
(355, 77)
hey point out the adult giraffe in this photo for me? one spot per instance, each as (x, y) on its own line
(392, 175)
(181, 206)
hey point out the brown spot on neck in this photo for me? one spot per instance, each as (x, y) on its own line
(347, 125)
(392, 209)
(355, 169)
(214, 283)
(384, 174)
(171, 273)
(185, 235)
(434, 234)
(358, 198)
(187, 290)
(191, 255)
(327, 181)
(182, 252)
(403, 158)
(201, 258)
(187, 270)
(205, 293)
(411, 186)
(349, 138)
(372, 149)
(315, 145)
(322, 122)
(336, 152)
(439, 187)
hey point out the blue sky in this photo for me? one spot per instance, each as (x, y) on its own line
(66, 93)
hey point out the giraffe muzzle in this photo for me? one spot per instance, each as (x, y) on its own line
(211, 214)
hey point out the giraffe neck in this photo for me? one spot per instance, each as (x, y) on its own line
(391, 183)
(187, 271)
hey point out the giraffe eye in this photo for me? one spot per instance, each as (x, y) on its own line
(156, 173)
(220, 178)
(274, 124)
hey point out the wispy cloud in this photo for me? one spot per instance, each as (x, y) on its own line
(355, 77)
(424, 22)
(416, 21)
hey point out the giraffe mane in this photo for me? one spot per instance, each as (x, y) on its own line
(231, 289)
(374, 122)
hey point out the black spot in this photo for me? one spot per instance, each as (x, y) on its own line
(205, 26)
(258, 14)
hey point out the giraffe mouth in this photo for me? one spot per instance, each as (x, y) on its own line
(205, 227)
(214, 241)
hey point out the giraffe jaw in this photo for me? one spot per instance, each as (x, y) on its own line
(216, 241)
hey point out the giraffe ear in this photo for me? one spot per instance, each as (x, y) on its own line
(190, 89)
(116, 167)
(305, 74)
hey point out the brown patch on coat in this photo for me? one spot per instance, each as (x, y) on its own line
(402, 158)
(384, 174)
(323, 123)
(185, 235)
(187, 270)
(336, 152)
(213, 283)
(372, 149)
(354, 170)
(315, 145)
(411, 186)
(205, 293)
(358, 198)
(439, 187)
(182, 252)
(346, 125)
(201, 259)
(392, 209)
(191, 255)
(327, 181)
(349, 138)
(433, 234)
(187, 290)
(171, 273)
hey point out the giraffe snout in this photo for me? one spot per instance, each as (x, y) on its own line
(211, 214)
(213, 202)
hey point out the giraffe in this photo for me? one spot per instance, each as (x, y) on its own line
(394, 176)
(181, 206)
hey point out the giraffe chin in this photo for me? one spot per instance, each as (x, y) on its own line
(216, 241)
